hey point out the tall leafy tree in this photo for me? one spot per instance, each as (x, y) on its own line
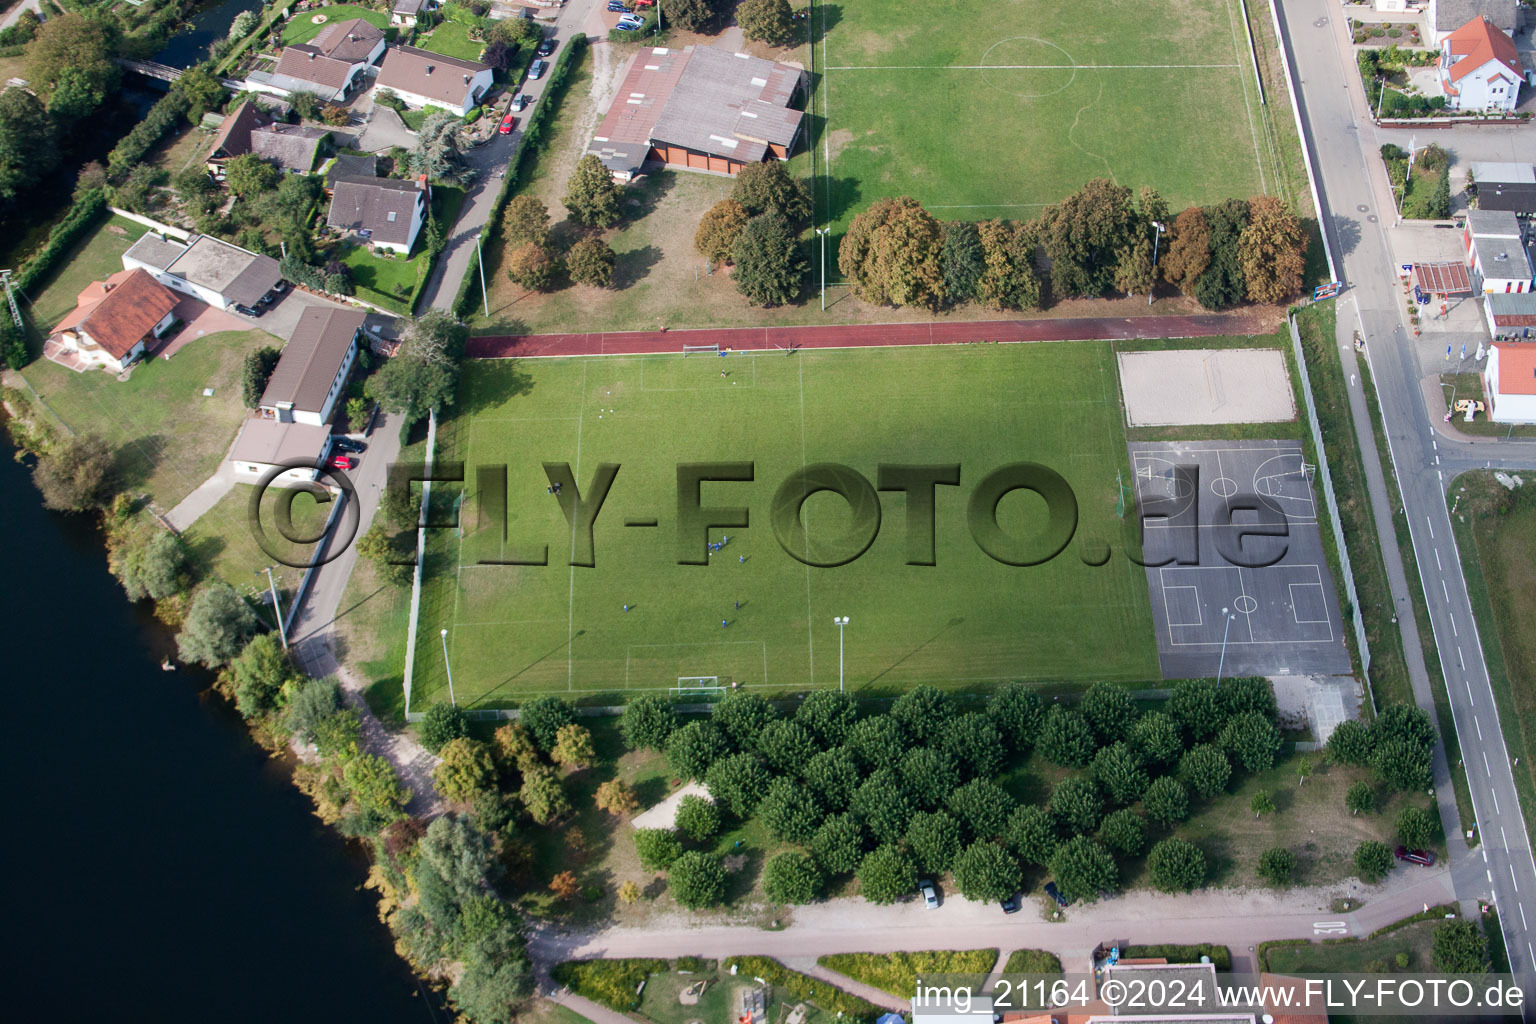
(1018, 713)
(591, 261)
(737, 782)
(1176, 865)
(769, 265)
(882, 806)
(1156, 737)
(154, 567)
(1031, 831)
(76, 474)
(1205, 770)
(692, 748)
(792, 877)
(833, 775)
(928, 776)
(441, 145)
(423, 374)
(829, 714)
(961, 260)
(1008, 279)
(1166, 801)
(592, 197)
(891, 252)
(526, 220)
(923, 712)
(1272, 250)
(28, 152)
(1110, 711)
(693, 15)
(1194, 706)
(647, 722)
(70, 64)
(697, 818)
(743, 715)
(986, 873)
(544, 717)
(791, 811)
(1085, 235)
(983, 807)
(838, 844)
(1119, 772)
(1077, 805)
(767, 21)
(1223, 284)
(1188, 252)
(464, 771)
(1253, 740)
(697, 880)
(887, 875)
(877, 741)
(1124, 831)
(767, 188)
(1083, 869)
(1066, 738)
(532, 265)
(257, 368)
(217, 625)
(934, 839)
(718, 230)
(972, 741)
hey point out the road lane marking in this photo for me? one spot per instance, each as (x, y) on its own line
(1506, 840)
(1485, 765)
(1490, 876)
(1330, 927)
(1459, 660)
(1440, 475)
(1514, 878)
(1469, 693)
(1438, 566)
(1522, 917)
(1531, 953)
(1431, 527)
(1437, 460)
(1445, 591)
(1479, 723)
(1454, 631)
(1485, 855)
(1495, 794)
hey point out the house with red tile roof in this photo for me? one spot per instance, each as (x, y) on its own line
(112, 322)
(1509, 382)
(1479, 68)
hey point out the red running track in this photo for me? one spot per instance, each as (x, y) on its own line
(747, 339)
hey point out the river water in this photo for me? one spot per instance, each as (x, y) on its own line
(212, 22)
(162, 867)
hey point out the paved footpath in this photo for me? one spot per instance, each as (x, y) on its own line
(748, 339)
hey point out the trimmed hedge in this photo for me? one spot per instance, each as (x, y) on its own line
(1262, 952)
(802, 987)
(1436, 913)
(534, 132)
(1221, 956)
(614, 983)
(1032, 961)
(162, 117)
(82, 217)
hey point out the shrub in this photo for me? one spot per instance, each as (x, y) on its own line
(697, 818)
(1277, 866)
(1176, 865)
(614, 983)
(442, 723)
(1373, 860)
(658, 848)
(697, 880)
(792, 877)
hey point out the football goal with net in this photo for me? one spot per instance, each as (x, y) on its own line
(707, 687)
(700, 350)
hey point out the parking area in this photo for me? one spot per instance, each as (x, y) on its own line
(1244, 585)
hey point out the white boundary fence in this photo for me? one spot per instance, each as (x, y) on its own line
(421, 556)
(1333, 506)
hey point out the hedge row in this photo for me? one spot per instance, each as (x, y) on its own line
(1221, 956)
(1032, 961)
(534, 132)
(898, 973)
(162, 117)
(1262, 952)
(802, 987)
(614, 983)
(1436, 913)
(82, 217)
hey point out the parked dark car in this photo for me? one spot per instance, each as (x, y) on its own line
(547, 47)
(1055, 894)
(347, 444)
(1424, 857)
(1011, 904)
(248, 310)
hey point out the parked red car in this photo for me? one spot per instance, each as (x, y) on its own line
(343, 462)
(1424, 857)
(507, 124)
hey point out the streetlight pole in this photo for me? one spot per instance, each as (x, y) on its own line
(1223, 662)
(823, 233)
(277, 607)
(840, 621)
(1157, 236)
(449, 668)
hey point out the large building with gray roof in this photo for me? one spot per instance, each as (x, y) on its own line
(701, 108)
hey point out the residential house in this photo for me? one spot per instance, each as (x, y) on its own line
(1496, 251)
(386, 212)
(1505, 186)
(330, 65)
(312, 371)
(1509, 382)
(425, 79)
(249, 129)
(113, 321)
(952, 1007)
(701, 108)
(233, 137)
(1446, 16)
(1510, 316)
(350, 165)
(408, 12)
(1479, 68)
(206, 268)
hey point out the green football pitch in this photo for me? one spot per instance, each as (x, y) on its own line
(515, 631)
(996, 108)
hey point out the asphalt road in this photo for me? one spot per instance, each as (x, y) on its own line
(1358, 207)
(492, 160)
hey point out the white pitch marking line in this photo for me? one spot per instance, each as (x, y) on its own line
(1023, 67)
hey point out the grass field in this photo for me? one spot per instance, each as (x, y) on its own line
(97, 256)
(301, 28)
(223, 542)
(517, 631)
(451, 39)
(982, 109)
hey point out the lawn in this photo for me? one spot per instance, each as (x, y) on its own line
(394, 282)
(1160, 96)
(171, 437)
(96, 257)
(224, 544)
(1356, 956)
(516, 631)
(1455, 387)
(719, 1001)
(1497, 552)
(898, 973)
(301, 28)
(451, 39)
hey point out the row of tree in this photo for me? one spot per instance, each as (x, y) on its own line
(1099, 240)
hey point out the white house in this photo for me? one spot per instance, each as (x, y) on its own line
(313, 368)
(206, 268)
(265, 444)
(425, 79)
(112, 322)
(407, 12)
(1496, 251)
(330, 65)
(1479, 68)
(1509, 382)
(386, 212)
(1446, 16)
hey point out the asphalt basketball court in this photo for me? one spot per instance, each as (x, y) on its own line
(1279, 619)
